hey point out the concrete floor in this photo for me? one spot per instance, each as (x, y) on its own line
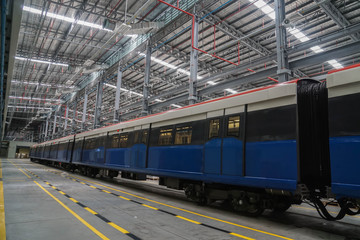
(44, 203)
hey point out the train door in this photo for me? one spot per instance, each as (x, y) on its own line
(138, 150)
(232, 146)
(212, 147)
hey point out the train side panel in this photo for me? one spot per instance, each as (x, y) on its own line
(344, 125)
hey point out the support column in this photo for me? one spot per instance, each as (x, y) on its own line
(83, 119)
(46, 128)
(58, 132)
(117, 95)
(282, 57)
(145, 103)
(54, 127)
(98, 103)
(41, 132)
(73, 125)
(194, 64)
(66, 119)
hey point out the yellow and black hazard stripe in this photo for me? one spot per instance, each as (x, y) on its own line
(112, 224)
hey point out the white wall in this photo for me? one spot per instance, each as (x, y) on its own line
(14, 144)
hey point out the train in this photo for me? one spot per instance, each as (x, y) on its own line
(266, 148)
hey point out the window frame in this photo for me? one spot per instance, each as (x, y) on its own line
(172, 135)
(226, 125)
(189, 124)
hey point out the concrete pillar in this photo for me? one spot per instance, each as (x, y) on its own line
(73, 125)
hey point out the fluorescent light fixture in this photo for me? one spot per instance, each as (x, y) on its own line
(211, 83)
(42, 61)
(64, 18)
(170, 65)
(123, 89)
(317, 49)
(298, 34)
(264, 7)
(30, 107)
(335, 64)
(36, 99)
(158, 100)
(174, 105)
(230, 90)
(132, 35)
(41, 84)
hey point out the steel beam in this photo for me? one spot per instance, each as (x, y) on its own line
(117, 95)
(336, 16)
(194, 63)
(145, 100)
(280, 30)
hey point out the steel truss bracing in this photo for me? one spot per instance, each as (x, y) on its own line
(112, 74)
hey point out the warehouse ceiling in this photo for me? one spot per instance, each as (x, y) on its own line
(65, 47)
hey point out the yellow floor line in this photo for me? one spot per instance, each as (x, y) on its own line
(102, 236)
(187, 211)
(2, 208)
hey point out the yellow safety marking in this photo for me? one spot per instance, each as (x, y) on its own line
(47, 183)
(74, 200)
(124, 198)
(82, 183)
(102, 236)
(62, 192)
(53, 187)
(90, 210)
(187, 211)
(189, 220)
(20, 169)
(2, 208)
(93, 187)
(105, 191)
(150, 207)
(118, 227)
(241, 236)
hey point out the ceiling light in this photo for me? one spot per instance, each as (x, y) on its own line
(317, 49)
(211, 83)
(174, 105)
(230, 90)
(30, 107)
(66, 19)
(42, 61)
(264, 7)
(335, 64)
(158, 100)
(36, 99)
(169, 65)
(123, 89)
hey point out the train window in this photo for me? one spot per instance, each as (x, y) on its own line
(114, 141)
(233, 126)
(165, 137)
(144, 136)
(136, 137)
(124, 140)
(214, 127)
(183, 135)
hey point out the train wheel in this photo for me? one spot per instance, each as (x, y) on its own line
(281, 207)
(254, 210)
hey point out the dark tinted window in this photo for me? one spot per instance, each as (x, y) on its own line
(233, 126)
(183, 135)
(113, 141)
(165, 136)
(136, 137)
(144, 136)
(214, 128)
(90, 144)
(124, 140)
(271, 124)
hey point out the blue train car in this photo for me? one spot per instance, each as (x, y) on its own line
(262, 149)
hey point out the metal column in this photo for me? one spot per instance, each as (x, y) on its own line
(194, 64)
(282, 57)
(98, 103)
(2, 67)
(58, 132)
(83, 119)
(46, 128)
(117, 95)
(66, 119)
(73, 125)
(145, 103)
(54, 127)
